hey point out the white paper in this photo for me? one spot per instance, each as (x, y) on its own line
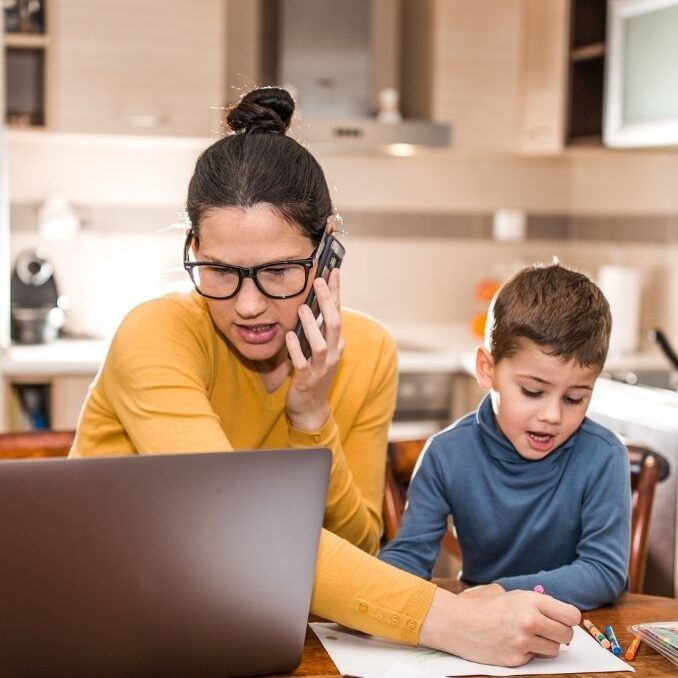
(357, 654)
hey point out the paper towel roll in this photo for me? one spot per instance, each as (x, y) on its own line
(621, 287)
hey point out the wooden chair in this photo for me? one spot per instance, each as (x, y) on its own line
(35, 444)
(647, 468)
(402, 457)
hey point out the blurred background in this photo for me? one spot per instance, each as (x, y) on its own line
(462, 139)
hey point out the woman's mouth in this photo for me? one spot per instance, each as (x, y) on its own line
(257, 334)
(541, 442)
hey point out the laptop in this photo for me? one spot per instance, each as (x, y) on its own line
(193, 565)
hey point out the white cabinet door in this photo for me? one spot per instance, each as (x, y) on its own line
(67, 396)
(137, 66)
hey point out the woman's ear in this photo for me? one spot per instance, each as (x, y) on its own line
(484, 368)
(331, 225)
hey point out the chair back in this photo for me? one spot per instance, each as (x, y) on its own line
(647, 468)
(35, 444)
(402, 458)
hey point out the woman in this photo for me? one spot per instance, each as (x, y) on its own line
(223, 369)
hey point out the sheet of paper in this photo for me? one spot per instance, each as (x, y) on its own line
(356, 654)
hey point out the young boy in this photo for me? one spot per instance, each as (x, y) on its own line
(539, 494)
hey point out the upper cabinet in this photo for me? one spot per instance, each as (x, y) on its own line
(476, 71)
(519, 75)
(510, 76)
(149, 66)
(118, 66)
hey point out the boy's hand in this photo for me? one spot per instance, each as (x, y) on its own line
(505, 629)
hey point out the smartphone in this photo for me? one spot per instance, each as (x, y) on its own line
(330, 257)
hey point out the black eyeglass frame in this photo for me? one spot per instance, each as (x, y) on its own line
(250, 271)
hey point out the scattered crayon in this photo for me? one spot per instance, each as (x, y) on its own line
(588, 625)
(632, 649)
(609, 633)
(538, 588)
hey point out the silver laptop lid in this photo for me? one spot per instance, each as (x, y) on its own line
(169, 565)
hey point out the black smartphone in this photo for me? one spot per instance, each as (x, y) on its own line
(330, 257)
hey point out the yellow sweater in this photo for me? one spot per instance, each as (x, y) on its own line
(171, 383)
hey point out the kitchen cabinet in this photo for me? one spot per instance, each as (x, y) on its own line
(136, 66)
(543, 119)
(564, 75)
(54, 401)
(57, 377)
(518, 75)
(476, 70)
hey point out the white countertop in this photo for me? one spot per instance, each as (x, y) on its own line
(424, 347)
(61, 357)
(655, 408)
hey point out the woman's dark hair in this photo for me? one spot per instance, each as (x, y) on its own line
(257, 163)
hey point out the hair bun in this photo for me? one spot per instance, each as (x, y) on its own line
(266, 110)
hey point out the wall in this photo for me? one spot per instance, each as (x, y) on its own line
(428, 214)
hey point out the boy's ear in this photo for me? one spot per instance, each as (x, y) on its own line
(484, 368)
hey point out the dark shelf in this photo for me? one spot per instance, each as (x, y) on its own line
(586, 72)
(588, 22)
(586, 98)
(25, 94)
(25, 17)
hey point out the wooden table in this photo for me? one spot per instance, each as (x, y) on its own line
(631, 608)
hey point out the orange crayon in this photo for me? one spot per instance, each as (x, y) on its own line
(595, 632)
(632, 649)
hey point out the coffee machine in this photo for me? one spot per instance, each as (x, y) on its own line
(37, 315)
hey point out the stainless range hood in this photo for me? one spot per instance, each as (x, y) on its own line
(338, 57)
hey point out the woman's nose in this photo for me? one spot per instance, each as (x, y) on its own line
(249, 302)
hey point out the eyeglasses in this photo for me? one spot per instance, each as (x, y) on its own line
(277, 279)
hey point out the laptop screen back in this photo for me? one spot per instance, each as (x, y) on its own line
(173, 565)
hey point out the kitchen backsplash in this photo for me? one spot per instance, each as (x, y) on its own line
(414, 267)
(640, 228)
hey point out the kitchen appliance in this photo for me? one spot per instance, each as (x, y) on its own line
(36, 309)
(649, 416)
(341, 58)
(423, 406)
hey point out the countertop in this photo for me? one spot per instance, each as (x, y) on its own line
(423, 347)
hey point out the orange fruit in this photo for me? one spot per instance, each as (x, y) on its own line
(486, 288)
(477, 324)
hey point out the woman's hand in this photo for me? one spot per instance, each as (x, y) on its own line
(308, 406)
(483, 591)
(506, 629)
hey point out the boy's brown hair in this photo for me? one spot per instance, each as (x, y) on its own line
(559, 309)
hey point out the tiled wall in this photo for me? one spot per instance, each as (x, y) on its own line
(408, 267)
(419, 228)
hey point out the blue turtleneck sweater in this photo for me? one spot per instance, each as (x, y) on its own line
(562, 521)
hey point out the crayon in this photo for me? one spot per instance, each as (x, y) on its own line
(538, 588)
(632, 649)
(609, 633)
(588, 625)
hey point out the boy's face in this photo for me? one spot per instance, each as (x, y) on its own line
(538, 400)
